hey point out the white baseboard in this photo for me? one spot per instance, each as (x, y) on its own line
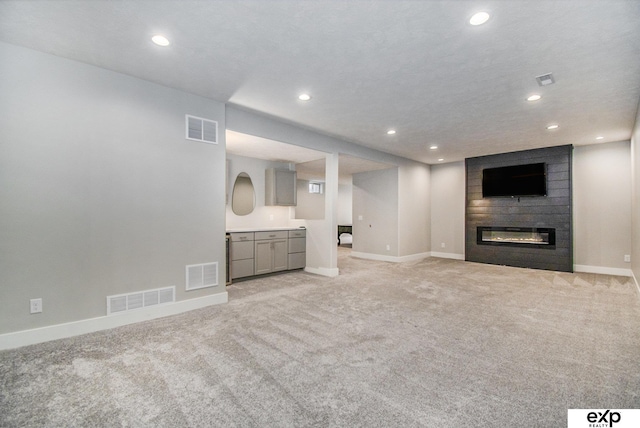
(413, 257)
(394, 259)
(331, 272)
(76, 328)
(602, 270)
(447, 255)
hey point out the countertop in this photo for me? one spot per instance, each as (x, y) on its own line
(263, 229)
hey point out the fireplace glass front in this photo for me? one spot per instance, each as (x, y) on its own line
(517, 236)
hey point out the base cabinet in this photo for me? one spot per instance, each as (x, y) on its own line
(242, 255)
(270, 252)
(297, 249)
(260, 252)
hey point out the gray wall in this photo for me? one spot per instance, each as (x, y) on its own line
(447, 209)
(602, 206)
(101, 194)
(375, 198)
(635, 199)
(309, 205)
(552, 211)
(414, 210)
(345, 202)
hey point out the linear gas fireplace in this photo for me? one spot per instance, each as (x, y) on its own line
(530, 237)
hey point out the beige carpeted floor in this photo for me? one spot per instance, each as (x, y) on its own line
(436, 343)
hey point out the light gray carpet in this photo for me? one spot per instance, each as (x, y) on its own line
(436, 343)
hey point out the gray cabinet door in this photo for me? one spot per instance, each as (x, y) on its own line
(271, 256)
(280, 187)
(263, 257)
(241, 268)
(280, 255)
(297, 261)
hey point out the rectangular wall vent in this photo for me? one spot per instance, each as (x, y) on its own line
(203, 130)
(545, 79)
(142, 299)
(202, 275)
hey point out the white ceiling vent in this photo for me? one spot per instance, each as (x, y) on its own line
(142, 299)
(202, 275)
(203, 130)
(545, 79)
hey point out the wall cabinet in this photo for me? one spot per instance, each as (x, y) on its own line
(280, 187)
(270, 251)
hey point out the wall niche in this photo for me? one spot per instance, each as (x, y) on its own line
(550, 212)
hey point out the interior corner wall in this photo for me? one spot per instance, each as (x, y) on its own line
(447, 209)
(375, 211)
(102, 194)
(635, 198)
(601, 207)
(414, 209)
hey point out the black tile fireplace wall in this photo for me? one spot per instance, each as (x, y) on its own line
(551, 211)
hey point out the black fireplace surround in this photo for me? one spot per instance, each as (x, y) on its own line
(528, 231)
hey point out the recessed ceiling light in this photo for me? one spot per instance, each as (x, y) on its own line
(160, 40)
(534, 97)
(550, 127)
(599, 137)
(479, 18)
(304, 97)
(391, 131)
(440, 160)
(434, 147)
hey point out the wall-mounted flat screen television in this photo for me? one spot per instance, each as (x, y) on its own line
(515, 181)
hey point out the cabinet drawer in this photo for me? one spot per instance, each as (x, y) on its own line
(298, 233)
(241, 268)
(242, 236)
(297, 245)
(276, 234)
(241, 250)
(297, 261)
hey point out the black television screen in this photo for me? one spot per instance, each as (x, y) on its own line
(515, 181)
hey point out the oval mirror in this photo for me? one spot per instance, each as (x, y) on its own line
(243, 198)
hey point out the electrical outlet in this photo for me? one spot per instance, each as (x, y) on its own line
(388, 247)
(270, 216)
(627, 258)
(36, 306)
(360, 217)
(442, 245)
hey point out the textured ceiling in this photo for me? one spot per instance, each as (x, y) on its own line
(415, 66)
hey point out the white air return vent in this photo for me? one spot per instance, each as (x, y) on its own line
(202, 275)
(199, 129)
(142, 299)
(545, 79)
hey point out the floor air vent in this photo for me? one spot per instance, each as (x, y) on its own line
(202, 275)
(141, 299)
(203, 130)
